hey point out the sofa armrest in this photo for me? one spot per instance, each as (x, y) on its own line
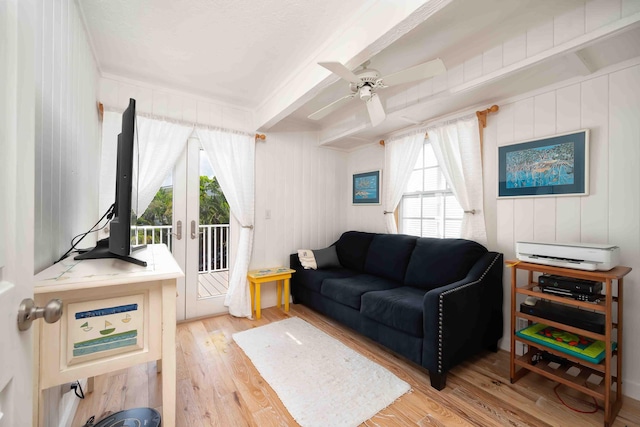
(465, 317)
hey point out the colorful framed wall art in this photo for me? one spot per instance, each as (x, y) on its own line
(366, 188)
(551, 166)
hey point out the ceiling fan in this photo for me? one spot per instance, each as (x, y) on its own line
(364, 83)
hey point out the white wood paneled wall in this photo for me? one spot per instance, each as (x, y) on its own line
(368, 218)
(301, 186)
(609, 105)
(115, 93)
(67, 131)
(67, 144)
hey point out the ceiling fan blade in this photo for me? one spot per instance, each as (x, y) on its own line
(419, 72)
(376, 111)
(341, 70)
(324, 111)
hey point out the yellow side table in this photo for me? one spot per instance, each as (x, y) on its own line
(276, 274)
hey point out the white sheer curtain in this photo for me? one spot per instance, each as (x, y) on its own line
(159, 145)
(232, 157)
(457, 147)
(400, 156)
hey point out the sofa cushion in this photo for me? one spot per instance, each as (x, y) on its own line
(438, 262)
(349, 290)
(352, 248)
(399, 308)
(312, 279)
(389, 255)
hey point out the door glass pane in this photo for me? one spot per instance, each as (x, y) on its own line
(213, 234)
(154, 225)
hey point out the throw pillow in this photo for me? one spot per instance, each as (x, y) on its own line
(318, 258)
(327, 257)
(307, 259)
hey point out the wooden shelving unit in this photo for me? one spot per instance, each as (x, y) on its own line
(609, 390)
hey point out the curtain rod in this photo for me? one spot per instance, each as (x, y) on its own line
(481, 115)
(426, 136)
(102, 109)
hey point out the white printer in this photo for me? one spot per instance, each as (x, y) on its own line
(583, 256)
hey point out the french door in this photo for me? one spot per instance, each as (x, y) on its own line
(201, 235)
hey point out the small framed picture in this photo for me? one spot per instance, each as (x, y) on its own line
(366, 188)
(98, 329)
(552, 166)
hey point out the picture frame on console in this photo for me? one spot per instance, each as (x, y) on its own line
(545, 167)
(366, 188)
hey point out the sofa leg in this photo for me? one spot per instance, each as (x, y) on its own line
(438, 380)
(493, 347)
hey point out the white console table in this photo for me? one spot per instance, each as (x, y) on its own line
(116, 315)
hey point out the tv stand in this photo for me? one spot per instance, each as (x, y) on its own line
(140, 304)
(101, 251)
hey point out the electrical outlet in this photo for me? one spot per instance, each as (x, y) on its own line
(267, 214)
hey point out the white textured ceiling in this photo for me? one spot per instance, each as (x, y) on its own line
(231, 50)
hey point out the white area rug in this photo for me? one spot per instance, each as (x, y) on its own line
(319, 380)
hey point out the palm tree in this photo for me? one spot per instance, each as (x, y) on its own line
(160, 210)
(214, 208)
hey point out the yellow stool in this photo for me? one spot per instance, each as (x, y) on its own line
(276, 274)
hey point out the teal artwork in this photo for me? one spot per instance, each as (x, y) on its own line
(552, 166)
(366, 188)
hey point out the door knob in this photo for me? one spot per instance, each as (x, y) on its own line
(28, 312)
(193, 229)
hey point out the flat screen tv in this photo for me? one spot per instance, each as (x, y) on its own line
(118, 244)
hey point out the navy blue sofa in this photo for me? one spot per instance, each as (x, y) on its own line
(434, 301)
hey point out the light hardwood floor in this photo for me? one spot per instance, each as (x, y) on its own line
(218, 386)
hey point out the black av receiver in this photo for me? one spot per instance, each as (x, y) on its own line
(583, 319)
(561, 283)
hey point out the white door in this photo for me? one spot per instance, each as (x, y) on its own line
(17, 98)
(203, 250)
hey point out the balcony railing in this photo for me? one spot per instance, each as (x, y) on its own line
(213, 244)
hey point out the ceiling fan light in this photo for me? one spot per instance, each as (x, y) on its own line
(365, 93)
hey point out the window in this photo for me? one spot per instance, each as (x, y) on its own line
(428, 207)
